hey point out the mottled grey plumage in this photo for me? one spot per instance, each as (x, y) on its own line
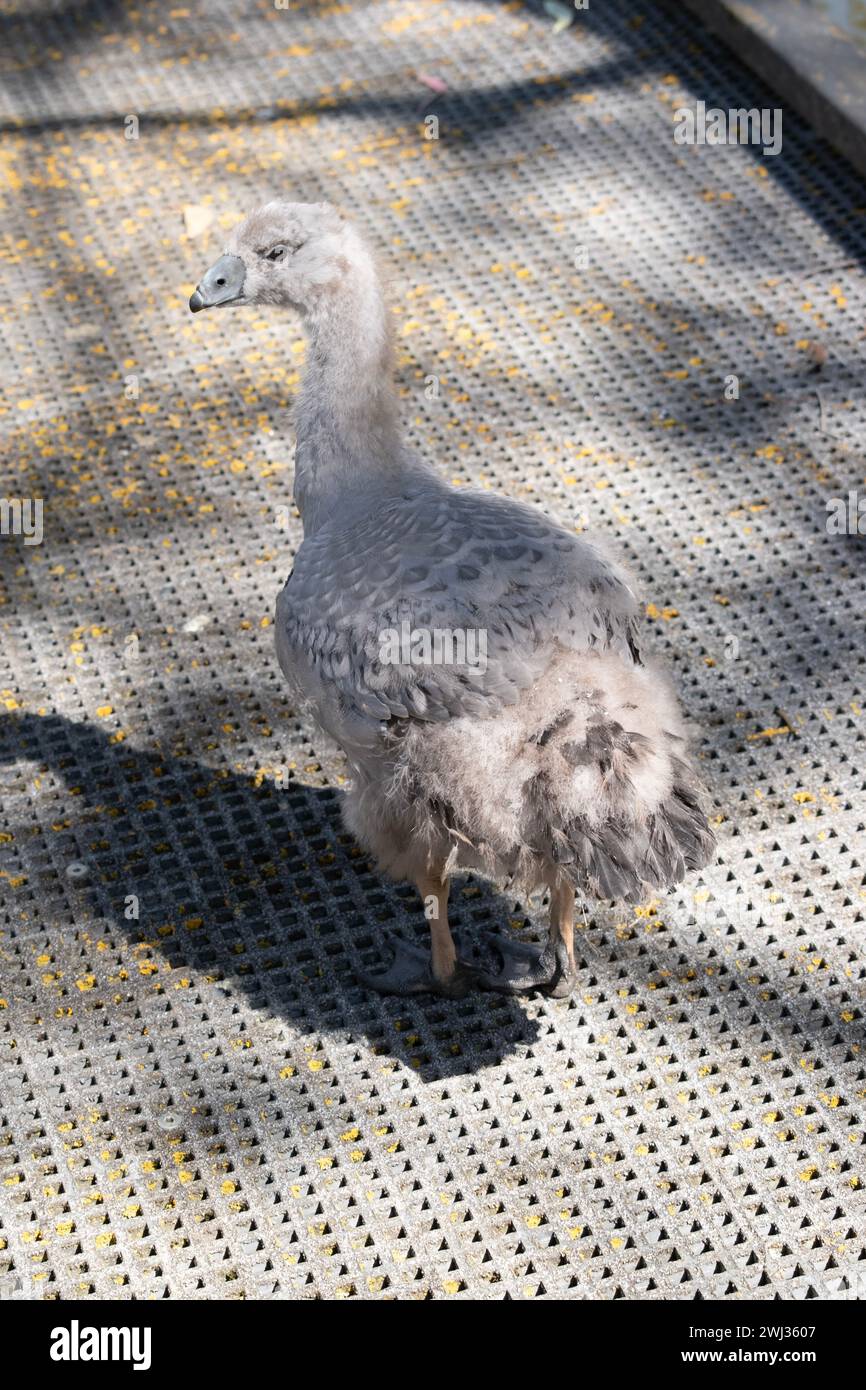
(558, 762)
(445, 558)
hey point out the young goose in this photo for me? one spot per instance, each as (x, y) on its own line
(478, 663)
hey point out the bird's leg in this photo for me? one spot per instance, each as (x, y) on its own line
(443, 952)
(412, 970)
(549, 968)
(562, 937)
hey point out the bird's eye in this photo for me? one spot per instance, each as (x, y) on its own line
(276, 253)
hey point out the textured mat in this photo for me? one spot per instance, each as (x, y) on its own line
(196, 1098)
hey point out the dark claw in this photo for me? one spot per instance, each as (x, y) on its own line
(524, 967)
(410, 973)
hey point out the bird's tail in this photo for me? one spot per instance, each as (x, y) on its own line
(585, 779)
(614, 802)
(627, 856)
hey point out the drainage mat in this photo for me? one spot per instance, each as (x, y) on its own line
(197, 1100)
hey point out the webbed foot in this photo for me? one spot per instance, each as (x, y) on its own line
(411, 972)
(547, 968)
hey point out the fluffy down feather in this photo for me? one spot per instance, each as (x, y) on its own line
(585, 778)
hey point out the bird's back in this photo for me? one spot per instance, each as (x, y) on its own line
(446, 560)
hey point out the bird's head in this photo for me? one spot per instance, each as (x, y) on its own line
(283, 253)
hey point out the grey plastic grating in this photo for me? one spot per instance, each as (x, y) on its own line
(201, 1101)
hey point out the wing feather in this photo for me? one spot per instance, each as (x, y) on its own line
(446, 560)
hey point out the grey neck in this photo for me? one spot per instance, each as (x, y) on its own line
(348, 437)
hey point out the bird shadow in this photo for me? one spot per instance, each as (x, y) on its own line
(245, 889)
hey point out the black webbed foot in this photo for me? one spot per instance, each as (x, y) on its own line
(411, 972)
(525, 967)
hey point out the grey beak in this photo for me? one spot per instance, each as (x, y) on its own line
(222, 284)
